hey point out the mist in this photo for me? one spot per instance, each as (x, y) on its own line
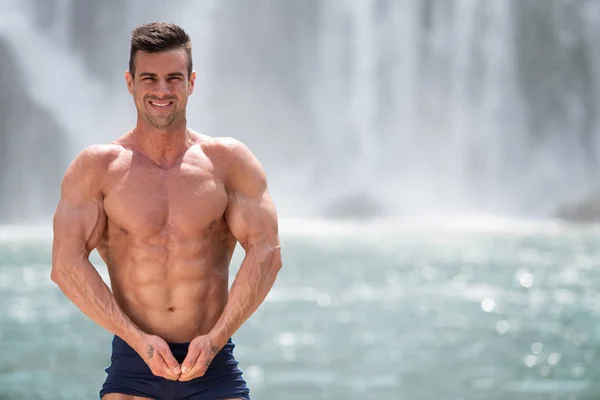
(355, 109)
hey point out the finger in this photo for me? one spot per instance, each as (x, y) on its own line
(199, 369)
(166, 372)
(170, 361)
(190, 359)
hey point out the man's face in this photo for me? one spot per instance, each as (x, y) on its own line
(161, 86)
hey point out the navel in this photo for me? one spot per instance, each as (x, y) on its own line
(171, 309)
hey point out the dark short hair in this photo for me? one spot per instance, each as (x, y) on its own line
(158, 37)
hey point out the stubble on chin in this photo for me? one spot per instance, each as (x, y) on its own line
(164, 122)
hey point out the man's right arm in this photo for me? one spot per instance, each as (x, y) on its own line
(79, 222)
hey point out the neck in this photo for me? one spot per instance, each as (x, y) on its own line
(162, 145)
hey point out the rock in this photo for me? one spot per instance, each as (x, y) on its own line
(586, 210)
(356, 206)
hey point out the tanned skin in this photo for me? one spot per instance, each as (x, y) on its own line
(165, 206)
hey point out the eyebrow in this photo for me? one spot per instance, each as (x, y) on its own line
(153, 75)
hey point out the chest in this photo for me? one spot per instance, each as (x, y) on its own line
(145, 199)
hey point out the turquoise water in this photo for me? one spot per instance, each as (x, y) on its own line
(482, 309)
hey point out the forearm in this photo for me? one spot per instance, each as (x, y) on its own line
(84, 286)
(252, 283)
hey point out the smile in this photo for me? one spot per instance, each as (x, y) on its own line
(161, 104)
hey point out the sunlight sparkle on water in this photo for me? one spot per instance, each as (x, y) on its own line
(254, 373)
(323, 300)
(287, 339)
(488, 305)
(525, 278)
(530, 360)
(553, 358)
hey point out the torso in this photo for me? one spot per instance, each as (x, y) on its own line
(166, 243)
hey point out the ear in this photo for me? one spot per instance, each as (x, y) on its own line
(192, 82)
(129, 80)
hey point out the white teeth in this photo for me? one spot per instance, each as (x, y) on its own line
(159, 104)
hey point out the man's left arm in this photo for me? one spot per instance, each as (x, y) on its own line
(252, 219)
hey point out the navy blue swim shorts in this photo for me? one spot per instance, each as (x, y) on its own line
(129, 374)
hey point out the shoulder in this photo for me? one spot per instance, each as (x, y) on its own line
(95, 158)
(235, 160)
(220, 146)
(98, 154)
(228, 150)
(88, 168)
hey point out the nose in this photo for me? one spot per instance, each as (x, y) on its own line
(162, 88)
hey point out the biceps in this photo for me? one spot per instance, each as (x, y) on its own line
(253, 220)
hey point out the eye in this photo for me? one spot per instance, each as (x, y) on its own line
(175, 78)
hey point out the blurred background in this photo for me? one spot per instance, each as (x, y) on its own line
(427, 157)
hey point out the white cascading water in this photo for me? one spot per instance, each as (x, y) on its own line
(416, 105)
(440, 120)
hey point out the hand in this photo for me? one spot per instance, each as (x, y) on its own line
(201, 352)
(157, 355)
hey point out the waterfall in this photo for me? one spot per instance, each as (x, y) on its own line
(400, 106)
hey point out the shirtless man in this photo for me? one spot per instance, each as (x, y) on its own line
(165, 207)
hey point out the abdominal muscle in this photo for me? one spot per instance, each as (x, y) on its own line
(174, 290)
